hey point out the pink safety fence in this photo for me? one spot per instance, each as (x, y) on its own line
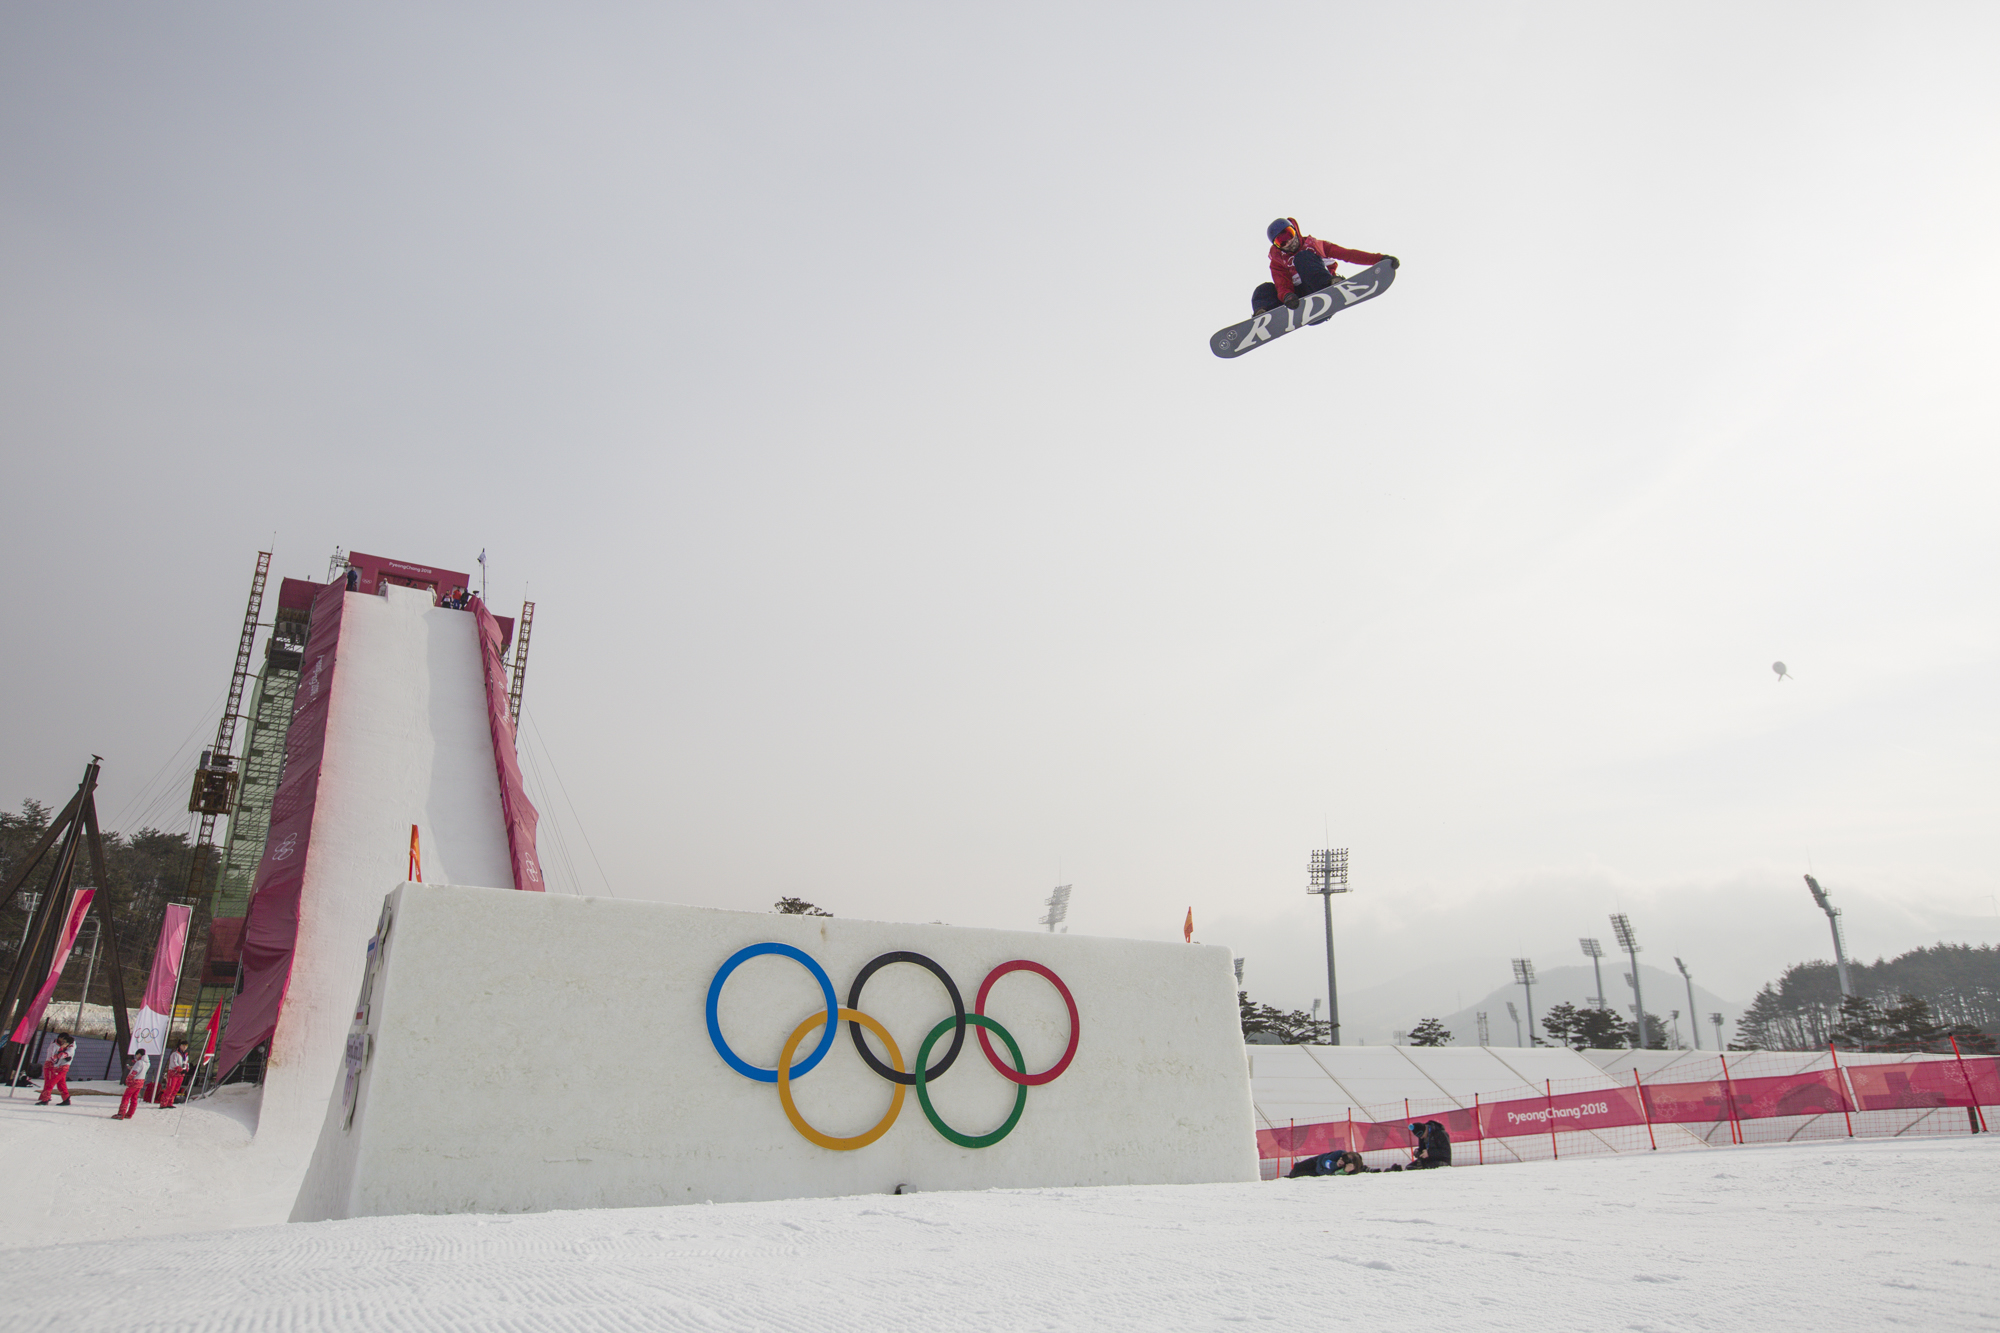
(1746, 1100)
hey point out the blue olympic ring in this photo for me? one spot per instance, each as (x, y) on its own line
(737, 1062)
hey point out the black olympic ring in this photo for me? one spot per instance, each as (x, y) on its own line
(957, 1010)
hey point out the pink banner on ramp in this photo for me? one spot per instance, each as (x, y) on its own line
(516, 809)
(271, 928)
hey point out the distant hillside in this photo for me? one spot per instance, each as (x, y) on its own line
(1665, 992)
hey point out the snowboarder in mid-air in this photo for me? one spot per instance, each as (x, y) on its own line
(1305, 288)
(1299, 265)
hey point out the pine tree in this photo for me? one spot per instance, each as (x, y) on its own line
(1430, 1032)
(1296, 1028)
(1860, 1026)
(1598, 1030)
(1907, 1026)
(797, 907)
(1559, 1022)
(1656, 1033)
(1803, 1009)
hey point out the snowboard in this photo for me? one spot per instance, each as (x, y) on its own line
(1317, 308)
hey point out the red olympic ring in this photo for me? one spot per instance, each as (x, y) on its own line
(1075, 1026)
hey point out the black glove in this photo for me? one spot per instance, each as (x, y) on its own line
(1392, 262)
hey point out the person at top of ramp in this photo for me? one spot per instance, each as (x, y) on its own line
(1300, 265)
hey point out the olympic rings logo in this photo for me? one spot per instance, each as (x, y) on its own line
(921, 1073)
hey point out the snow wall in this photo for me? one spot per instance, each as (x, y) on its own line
(391, 728)
(519, 1052)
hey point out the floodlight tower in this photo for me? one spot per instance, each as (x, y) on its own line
(1524, 976)
(1485, 1035)
(1833, 919)
(1515, 1014)
(1694, 1021)
(1329, 876)
(1059, 911)
(1621, 926)
(1594, 951)
(1717, 1020)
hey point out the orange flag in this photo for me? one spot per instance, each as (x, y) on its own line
(416, 875)
(1187, 931)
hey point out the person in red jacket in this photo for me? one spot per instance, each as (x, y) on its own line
(1301, 265)
(171, 1075)
(55, 1069)
(135, 1082)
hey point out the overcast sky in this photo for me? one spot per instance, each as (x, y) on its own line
(835, 380)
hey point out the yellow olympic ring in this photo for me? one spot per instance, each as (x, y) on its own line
(785, 1083)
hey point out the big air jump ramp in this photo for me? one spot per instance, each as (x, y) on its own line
(440, 1050)
(400, 719)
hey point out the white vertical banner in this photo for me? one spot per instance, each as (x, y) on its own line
(149, 1029)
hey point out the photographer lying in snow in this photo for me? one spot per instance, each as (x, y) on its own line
(1432, 1149)
(1333, 1164)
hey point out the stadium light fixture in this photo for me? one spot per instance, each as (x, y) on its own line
(1485, 1035)
(1524, 977)
(1717, 1020)
(1059, 909)
(1833, 920)
(1594, 951)
(1621, 926)
(1515, 1014)
(1329, 876)
(1694, 1023)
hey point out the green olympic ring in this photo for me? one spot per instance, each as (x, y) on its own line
(924, 1092)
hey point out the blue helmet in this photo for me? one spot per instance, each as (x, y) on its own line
(1278, 227)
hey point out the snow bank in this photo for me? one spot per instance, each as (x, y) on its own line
(481, 1093)
(74, 1173)
(1826, 1238)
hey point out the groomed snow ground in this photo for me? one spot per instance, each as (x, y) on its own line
(1843, 1236)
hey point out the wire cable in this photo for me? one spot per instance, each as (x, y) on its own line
(566, 798)
(146, 794)
(554, 824)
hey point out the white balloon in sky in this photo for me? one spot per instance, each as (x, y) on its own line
(1779, 667)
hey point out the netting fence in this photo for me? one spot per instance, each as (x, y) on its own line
(1754, 1097)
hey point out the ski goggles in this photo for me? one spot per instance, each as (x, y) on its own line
(1286, 237)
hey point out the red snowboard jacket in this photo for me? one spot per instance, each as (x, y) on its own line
(1286, 277)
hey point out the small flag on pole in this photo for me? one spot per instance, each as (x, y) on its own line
(214, 1023)
(416, 858)
(1187, 931)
